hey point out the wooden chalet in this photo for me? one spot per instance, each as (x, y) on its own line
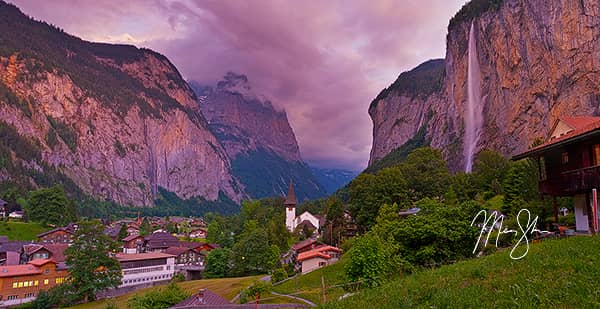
(569, 165)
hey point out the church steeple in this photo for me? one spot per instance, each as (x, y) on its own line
(290, 200)
(290, 208)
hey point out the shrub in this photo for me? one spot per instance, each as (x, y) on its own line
(279, 275)
(159, 299)
(260, 288)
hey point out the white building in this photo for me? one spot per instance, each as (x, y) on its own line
(146, 269)
(291, 220)
(317, 258)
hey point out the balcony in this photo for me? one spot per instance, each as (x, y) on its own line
(572, 182)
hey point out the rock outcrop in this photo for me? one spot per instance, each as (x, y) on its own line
(257, 137)
(119, 121)
(539, 60)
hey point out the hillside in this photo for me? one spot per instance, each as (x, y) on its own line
(332, 179)
(258, 138)
(555, 273)
(113, 121)
(537, 62)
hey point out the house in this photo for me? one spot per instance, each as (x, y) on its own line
(17, 214)
(145, 269)
(133, 244)
(55, 252)
(306, 245)
(199, 246)
(187, 261)
(10, 251)
(113, 231)
(3, 208)
(305, 219)
(569, 165)
(317, 258)
(22, 283)
(198, 233)
(58, 235)
(160, 241)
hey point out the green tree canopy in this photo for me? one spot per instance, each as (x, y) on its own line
(90, 266)
(50, 206)
(252, 254)
(217, 263)
(426, 173)
(489, 171)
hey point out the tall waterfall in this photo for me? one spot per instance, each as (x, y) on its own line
(474, 116)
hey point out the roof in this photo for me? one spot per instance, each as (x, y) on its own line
(177, 250)
(582, 127)
(63, 229)
(58, 251)
(124, 257)
(3, 202)
(303, 244)
(13, 245)
(161, 240)
(19, 270)
(291, 197)
(132, 237)
(318, 252)
(41, 262)
(308, 224)
(203, 298)
(191, 244)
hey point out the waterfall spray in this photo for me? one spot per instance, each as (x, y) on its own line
(474, 116)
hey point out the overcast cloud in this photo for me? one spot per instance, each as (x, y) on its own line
(323, 61)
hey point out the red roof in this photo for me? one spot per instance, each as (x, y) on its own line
(177, 250)
(303, 244)
(19, 270)
(132, 237)
(124, 257)
(319, 252)
(41, 262)
(58, 251)
(580, 125)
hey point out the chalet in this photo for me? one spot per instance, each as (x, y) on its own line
(306, 245)
(146, 269)
(160, 241)
(10, 251)
(56, 252)
(133, 244)
(198, 233)
(17, 214)
(317, 258)
(22, 283)
(113, 232)
(187, 261)
(569, 165)
(58, 235)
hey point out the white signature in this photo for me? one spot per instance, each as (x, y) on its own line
(495, 221)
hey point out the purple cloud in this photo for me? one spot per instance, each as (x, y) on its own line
(322, 61)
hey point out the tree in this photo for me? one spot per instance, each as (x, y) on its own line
(520, 185)
(145, 227)
(334, 223)
(159, 299)
(122, 232)
(252, 254)
(90, 266)
(217, 263)
(426, 173)
(489, 171)
(50, 206)
(369, 260)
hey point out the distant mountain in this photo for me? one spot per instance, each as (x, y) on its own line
(333, 179)
(257, 137)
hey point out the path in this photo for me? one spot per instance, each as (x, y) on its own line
(296, 298)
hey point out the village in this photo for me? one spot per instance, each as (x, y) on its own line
(152, 251)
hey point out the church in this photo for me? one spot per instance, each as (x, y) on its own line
(292, 221)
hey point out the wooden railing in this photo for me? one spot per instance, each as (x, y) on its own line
(572, 182)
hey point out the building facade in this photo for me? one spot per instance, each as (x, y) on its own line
(22, 283)
(146, 269)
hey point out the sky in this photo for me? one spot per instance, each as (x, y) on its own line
(321, 61)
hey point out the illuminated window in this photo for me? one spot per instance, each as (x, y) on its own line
(45, 281)
(565, 158)
(25, 284)
(20, 284)
(14, 285)
(36, 283)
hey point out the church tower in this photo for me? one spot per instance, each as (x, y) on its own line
(290, 208)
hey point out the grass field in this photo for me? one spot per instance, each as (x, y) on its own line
(22, 230)
(562, 273)
(226, 287)
(309, 285)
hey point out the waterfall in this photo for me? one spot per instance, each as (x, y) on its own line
(474, 116)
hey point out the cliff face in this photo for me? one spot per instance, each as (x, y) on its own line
(118, 121)
(258, 139)
(539, 60)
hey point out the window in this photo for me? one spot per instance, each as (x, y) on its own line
(11, 297)
(321, 264)
(36, 283)
(20, 284)
(46, 281)
(14, 285)
(596, 152)
(25, 284)
(29, 295)
(565, 158)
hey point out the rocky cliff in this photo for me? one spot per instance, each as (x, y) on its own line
(118, 121)
(539, 60)
(257, 137)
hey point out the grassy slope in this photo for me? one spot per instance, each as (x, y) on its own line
(21, 230)
(555, 273)
(309, 285)
(227, 287)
